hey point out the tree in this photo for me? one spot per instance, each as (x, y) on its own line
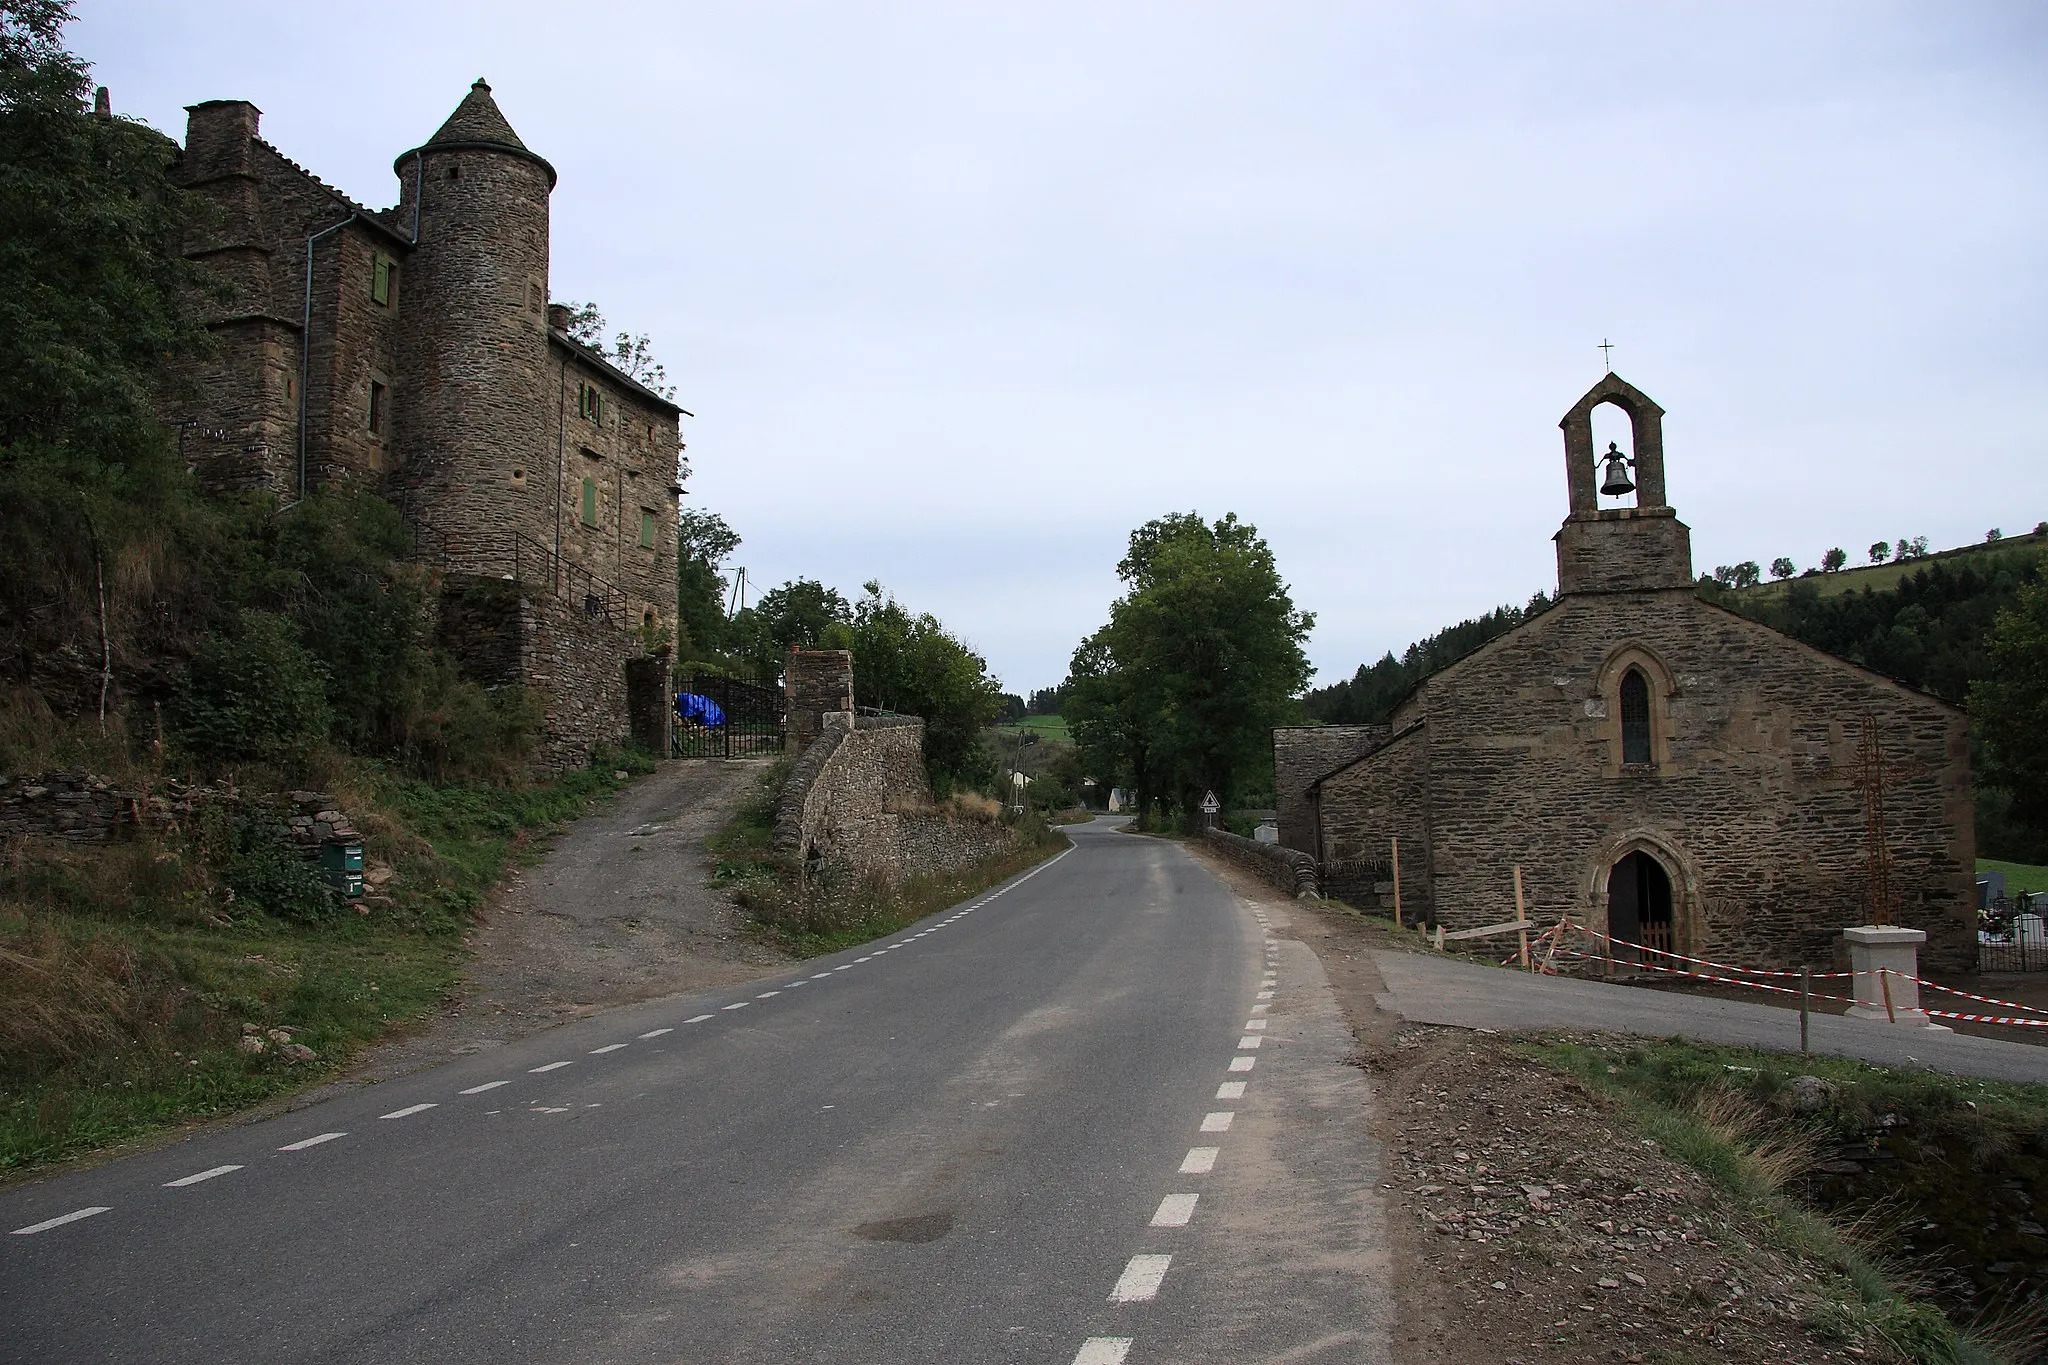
(793, 616)
(703, 543)
(1782, 567)
(1833, 560)
(1993, 534)
(1202, 656)
(2010, 705)
(1880, 551)
(1011, 708)
(912, 664)
(627, 352)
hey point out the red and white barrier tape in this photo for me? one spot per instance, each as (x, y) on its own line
(1988, 1018)
(1702, 976)
(1951, 990)
(1704, 962)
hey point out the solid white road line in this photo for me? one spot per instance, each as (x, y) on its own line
(77, 1214)
(473, 1090)
(1243, 1063)
(1218, 1122)
(551, 1066)
(412, 1109)
(1141, 1280)
(1230, 1090)
(1250, 1040)
(1175, 1210)
(1199, 1160)
(1103, 1351)
(609, 1047)
(303, 1143)
(203, 1175)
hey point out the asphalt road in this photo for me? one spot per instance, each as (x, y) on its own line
(1096, 1116)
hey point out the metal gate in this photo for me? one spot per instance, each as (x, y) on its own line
(2012, 934)
(743, 719)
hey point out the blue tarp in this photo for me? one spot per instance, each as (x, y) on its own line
(702, 710)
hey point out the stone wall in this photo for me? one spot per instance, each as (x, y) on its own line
(1289, 869)
(1752, 802)
(1303, 753)
(1364, 808)
(81, 807)
(857, 802)
(816, 683)
(505, 633)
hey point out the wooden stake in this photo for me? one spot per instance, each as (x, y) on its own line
(1397, 880)
(1884, 981)
(1524, 934)
(1805, 995)
(1439, 938)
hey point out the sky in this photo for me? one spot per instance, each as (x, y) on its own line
(960, 294)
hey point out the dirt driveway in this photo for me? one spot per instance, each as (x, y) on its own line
(622, 908)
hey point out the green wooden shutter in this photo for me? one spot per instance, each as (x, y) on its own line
(647, 528)
(380, 279)
(590, 502)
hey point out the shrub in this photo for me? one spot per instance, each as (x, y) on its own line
(254, 694)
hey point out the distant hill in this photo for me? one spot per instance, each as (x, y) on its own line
(1879, 576)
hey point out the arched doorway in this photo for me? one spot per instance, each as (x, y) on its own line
(1639, 902)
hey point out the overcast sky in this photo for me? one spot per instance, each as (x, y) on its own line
(962, 293)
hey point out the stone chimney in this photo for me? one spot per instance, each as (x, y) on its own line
(103, 102)
(217, 138)
(558, 317)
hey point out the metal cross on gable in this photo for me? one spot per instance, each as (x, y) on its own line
(1606, 353)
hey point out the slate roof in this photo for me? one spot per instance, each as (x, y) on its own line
(478, 119)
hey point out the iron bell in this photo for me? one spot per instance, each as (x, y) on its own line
(1617, 482)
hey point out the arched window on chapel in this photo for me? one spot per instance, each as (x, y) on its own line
(1635, 717)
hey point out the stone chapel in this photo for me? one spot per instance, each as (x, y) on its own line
(1663, 769)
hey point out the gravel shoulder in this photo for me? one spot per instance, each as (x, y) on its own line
(1529, 1222)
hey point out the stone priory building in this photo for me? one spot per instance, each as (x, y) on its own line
(1662, 769)
(413, 351)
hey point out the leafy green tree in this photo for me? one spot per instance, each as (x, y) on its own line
(2009, 702)
(913, 665)
(703, 543)
(255, 694)
(1201, 658)
(1370, 695)
(1011, 708)
(793, 616)
(1782, 567)
(630, 353)
(1833, 560)
(1880, 551)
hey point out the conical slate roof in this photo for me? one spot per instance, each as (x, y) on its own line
(477, 119)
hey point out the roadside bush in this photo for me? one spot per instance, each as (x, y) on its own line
(266, 875)
(253, 694)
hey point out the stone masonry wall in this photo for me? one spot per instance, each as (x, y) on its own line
(1382, 797)
(1303, 753)
(1753, 803)
(1289, 869)
(816, 683)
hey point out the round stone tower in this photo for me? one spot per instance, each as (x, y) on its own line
(474, 414)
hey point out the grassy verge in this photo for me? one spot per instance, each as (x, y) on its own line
(2018, 876)
(1899, 1244)
(823, 913)
(131, 974)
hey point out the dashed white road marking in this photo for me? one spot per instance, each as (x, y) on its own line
(1103, 1351)
(1218, 1122)
(766, 994)
(794, 984)
(739, 1004)
(1199, 1160)
(1243, 1063)
(203, 1175)
(820, 976)
(1254, 1023)
(551, 1066)
(657, 1032)
(1259, 1009)
(1265, 995)
(1230, 1090)
(1141, 1280)
(473, 1090)
(412, 1109)
(846, 966)
(77, 1214)
(859, 960)
(1250, 1040)
(1175, 1210)
(608, 1047)
(303, 1143)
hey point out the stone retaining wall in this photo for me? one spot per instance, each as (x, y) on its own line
(857, 801)
(1289, 869)
(81, 807)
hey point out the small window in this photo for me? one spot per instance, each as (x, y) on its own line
(376, 408)
(590, 403)
(1635, 717)
(590, 502)
(646, 529)
(382, 269)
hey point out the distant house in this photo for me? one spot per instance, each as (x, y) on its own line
(1662, 769)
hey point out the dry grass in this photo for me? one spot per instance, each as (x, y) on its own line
(1770, 1156)
(68, 992)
